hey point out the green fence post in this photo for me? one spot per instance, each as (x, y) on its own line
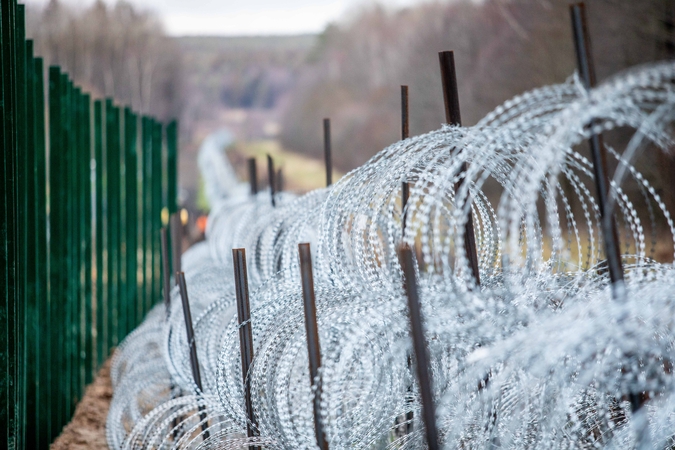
(101, 310)
(69, 295)
(45, 398)
(146, 211)
(172, 166)
(32, 312)
(56, 244)
(122, 315)
(77, 251)
(22, 224)
(8, 406)
(87, 221)
(71, 292)
(7, 293)
(131, 194)
(79, 223)
(157, 203)
(119, 225)
(5, 213)
(112, 154)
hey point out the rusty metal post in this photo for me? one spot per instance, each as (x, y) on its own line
(166, 271)
(405, 196)
(419, 346)
(270, 178)
(405, 122)
(194, 361)
(327, 152)
(453, 117)
(582, 45)
(405, 132)
(253, 176)
(313, 346)
(176, 228)
(245, 332)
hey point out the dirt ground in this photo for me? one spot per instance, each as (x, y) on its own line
(87, 428)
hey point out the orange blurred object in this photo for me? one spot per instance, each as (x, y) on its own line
(201, 223)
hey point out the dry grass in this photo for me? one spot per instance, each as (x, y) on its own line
(301, 174)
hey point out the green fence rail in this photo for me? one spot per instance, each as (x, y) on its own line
(84, 183)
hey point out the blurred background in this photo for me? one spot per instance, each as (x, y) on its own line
(269, 71)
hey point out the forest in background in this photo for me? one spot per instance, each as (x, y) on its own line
(502, 48)
(281, 87)
(120, 52)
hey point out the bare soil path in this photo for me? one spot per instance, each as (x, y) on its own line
(87, 428)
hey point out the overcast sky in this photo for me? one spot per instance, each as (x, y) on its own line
(237, 17)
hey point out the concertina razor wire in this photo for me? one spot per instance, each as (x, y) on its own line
(540, 355)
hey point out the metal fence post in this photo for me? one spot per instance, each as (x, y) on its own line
(245, 333)
(582, 45)
(419, 347)
(313, 345)
(101, 310)
(453, 117)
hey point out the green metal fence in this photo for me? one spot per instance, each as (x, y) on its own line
(83, 186)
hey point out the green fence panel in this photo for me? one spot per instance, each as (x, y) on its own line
(82, 196)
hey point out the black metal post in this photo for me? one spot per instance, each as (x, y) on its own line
(312, 328)
(253, 176)
(166, 272)
(245, 332)
(453, 117)
(405, 122)
(419, 346)
(194, 361)
(582, 45)
(270, 178)
(405, 195)
(327, 152)
(405, 132)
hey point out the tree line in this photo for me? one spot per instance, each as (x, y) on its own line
(502, 48)
(112, 51)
